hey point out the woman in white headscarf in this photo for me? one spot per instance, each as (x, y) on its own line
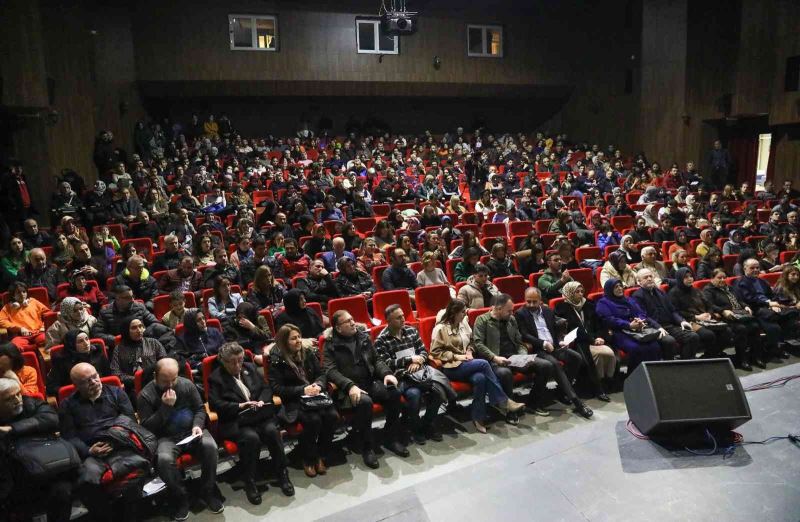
(74, 315)
(650, 215)
(580, 314)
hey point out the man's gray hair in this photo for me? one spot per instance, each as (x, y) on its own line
(229, 350)
(7, 383)
(642, 272)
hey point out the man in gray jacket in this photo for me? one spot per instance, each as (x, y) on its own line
(171, 408)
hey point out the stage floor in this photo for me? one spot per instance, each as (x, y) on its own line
(561, 468)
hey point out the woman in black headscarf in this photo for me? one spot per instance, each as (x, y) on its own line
(696, 308)
(250, 330)
(198, 340)
(298, 314)
(135, 352)
(77, 349)
(619, 313)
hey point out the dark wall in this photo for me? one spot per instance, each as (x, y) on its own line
(282, 115)
(188, 41)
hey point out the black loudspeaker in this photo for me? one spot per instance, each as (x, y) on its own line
(672, 398)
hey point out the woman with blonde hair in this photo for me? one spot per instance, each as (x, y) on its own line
(454, 206)
(787, 289)
(295, 373)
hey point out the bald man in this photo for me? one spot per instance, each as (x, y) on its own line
(85, 417)
(331, 259)
(170, 407)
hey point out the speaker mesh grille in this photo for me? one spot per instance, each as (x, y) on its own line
(696, 391)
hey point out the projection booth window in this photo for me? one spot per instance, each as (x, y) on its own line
(371, 39)
(485, 41)
(253, 32)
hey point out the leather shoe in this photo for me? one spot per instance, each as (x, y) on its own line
(370, 459)
(603, 397)
(397, 448)
(434, 434)
(285, 484)
(744, 365)
(251, 491)
(512, 418)
(419, 438)
(310, 470)
(581, 409)
(321, 468)
(761, 363)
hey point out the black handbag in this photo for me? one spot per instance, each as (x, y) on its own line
(315, 402)
(645, 335)
(44, 458)
(422, 378)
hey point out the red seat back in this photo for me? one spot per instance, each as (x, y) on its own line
(380, 300)
(66, 391)
(355, 304)
(514, 286)
(431, 299)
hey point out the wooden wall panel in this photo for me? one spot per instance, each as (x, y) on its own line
(785, 106)
(68, 60)
(190, 43)
(22, 55)
(663, 76)
(118, 103)
(756, 65)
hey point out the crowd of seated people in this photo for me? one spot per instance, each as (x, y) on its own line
(228, 290)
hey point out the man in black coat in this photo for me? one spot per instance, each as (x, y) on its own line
(32, 237)
(318, 285)
(677, 337)
(85, 418)
(362, 379)
(537, 326)
(126, 209)
(22, 418)
(144, 288)
(243, 401)
(112, 317)
(16, 196)
(398, 275)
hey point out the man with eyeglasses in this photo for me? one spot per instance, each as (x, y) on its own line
(85, 419)
(362, 379)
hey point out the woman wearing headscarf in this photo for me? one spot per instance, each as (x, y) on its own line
(628, 247)
(649, 215)
(73, 316)
(77, 349)
(297, 313)
(198, 340)
(694, 307)
(135, 352)
(580, 313)
(616, 267)
(250, 329)
(97, 204)
(735, 243)
(620, 313)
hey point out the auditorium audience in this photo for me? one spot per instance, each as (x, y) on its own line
(152, 192)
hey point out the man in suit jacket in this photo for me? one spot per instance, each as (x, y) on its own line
(537, 325)
(243, 401)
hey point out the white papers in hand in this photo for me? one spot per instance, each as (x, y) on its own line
(571, 336)
(153, 487)
(188, 439)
